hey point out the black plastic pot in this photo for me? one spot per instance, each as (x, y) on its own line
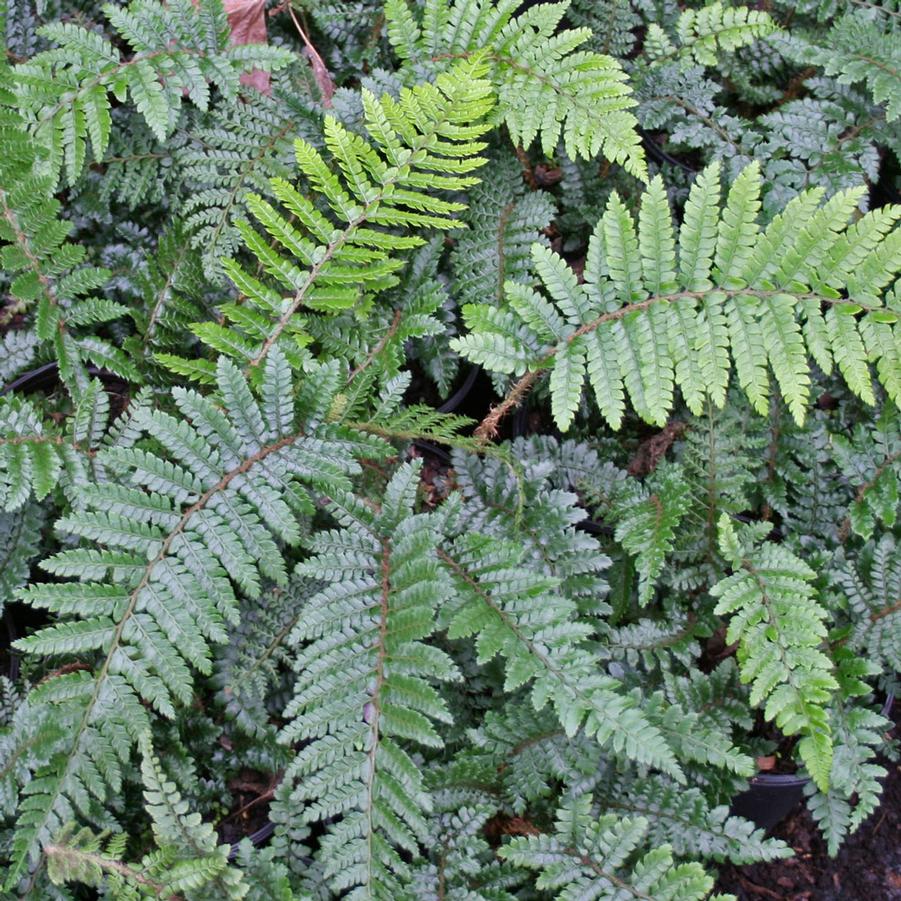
(772, 797)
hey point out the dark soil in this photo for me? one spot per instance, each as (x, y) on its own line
(867, 868)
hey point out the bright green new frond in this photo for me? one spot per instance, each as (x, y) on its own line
(379, 191)
(603, 857)
(548, 89)
(364, 691)
(780, 627)
(808, 285)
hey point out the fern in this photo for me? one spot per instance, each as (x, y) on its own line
(854, 782)
(702, 33)
(646, 526)
(174, 538)
(188, 861)
(547, 88)
(779, 626)
(236, 153)
(35, 457)
(586, 854)
(178, 50)
(684, 820)
(504, 220)
(856, 49)
(47, 269)
(870, 459)
(363, 689)
(305, 630)
(518, 615)
(426, 139)
(20, 535)
(638, 325)
(872, 591)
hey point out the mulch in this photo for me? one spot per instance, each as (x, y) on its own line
(867, 868)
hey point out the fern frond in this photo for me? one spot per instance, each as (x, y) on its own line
(427, 139)
(646, 526)
(683, 819)
(779, 627)
(637, 321)
(705, 32)
(860, 49)
(187, 863)
(869, 460)
(872, 588)
(35, 456)
(548, 89)
(518, 614)
(234, 154)
(48, 275)
(178, 49)
(20, 535)
(363, 691)
(503, 220)
(855, 786)
(200, 507)
(599, 857)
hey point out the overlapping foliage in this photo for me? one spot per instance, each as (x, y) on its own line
(249, 543)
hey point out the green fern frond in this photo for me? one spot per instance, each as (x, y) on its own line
(178, 49)
(860, 49)
(808, 285)
(869, 460)
(504, 220)
(779, 626)
(872, 590)
(600, 857)
(173, 292)
(20, 535)
(426, 140)
(683, 819)
(703, 33)
(518, 614)
(48, 275)
(200, 507)
(646, 526)
(234, 154)
(35, 456)
(18, 348)
(363, 691)
(855, 780)
(187, 863)
(548, 89)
